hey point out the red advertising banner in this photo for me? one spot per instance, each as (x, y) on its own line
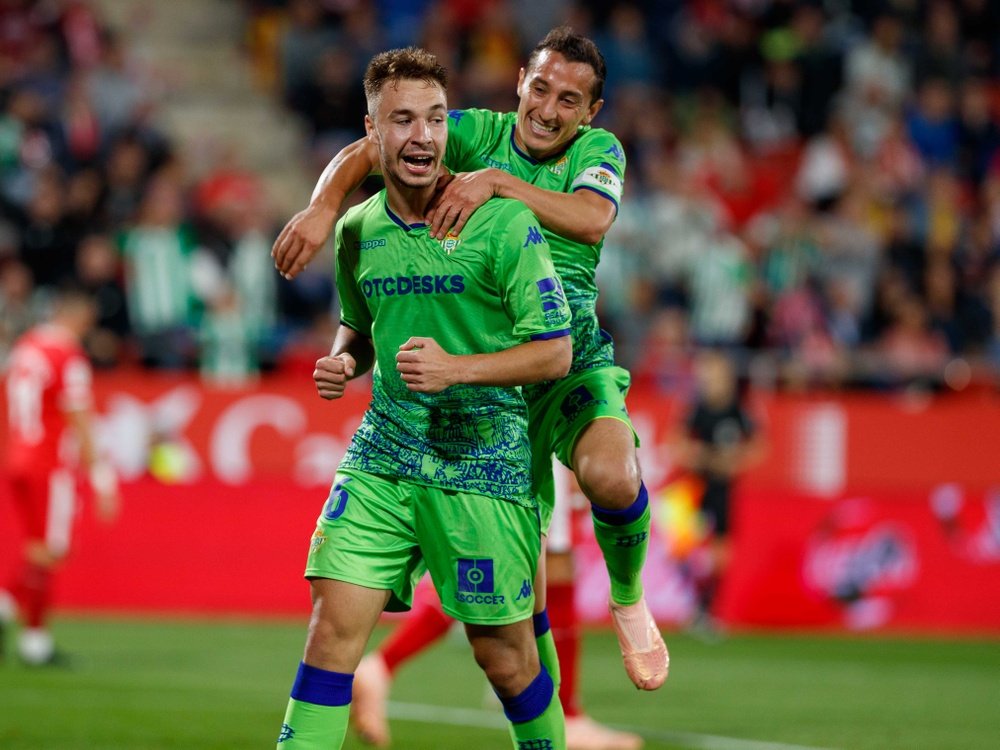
(866, 513)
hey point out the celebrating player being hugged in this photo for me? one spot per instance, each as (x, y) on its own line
(48, 390)
(438, 473)
(570, 175)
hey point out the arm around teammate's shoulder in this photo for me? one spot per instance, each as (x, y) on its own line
(582, 216)
(306, 232)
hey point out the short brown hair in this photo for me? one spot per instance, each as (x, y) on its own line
(409, 63)
(576, 48)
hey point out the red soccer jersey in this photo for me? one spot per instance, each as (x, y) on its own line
(49, 375)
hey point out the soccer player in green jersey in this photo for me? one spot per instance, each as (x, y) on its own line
(570, 175)
(437, 476)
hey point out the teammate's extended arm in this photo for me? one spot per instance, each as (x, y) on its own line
(583, 216)
(305, 233)
(352, 355)
(427, 368)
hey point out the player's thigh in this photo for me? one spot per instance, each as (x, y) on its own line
(46, 503)
(482, 554)
(343, 618)
(364, 536)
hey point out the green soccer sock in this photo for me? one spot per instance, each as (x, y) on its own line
(623, 536)
(318, 710)
(547, 654)
(536, 716)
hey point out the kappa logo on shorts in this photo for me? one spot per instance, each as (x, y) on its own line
(475, 582)
(286, 733)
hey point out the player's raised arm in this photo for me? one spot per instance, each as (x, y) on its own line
(427, 368)
(304, 234)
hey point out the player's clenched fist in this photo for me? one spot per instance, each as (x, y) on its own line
(424, 366)
(332, 373)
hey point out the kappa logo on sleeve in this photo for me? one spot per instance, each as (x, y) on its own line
(534, 237)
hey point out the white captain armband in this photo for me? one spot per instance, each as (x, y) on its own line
(601, 179)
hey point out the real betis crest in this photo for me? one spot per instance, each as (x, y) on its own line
(449, 243)
(560, 166)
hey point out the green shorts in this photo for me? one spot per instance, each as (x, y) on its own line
(382, 533)
(556, 420)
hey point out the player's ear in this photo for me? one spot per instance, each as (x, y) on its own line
(520, 81)
(370, 129)
(592, 111)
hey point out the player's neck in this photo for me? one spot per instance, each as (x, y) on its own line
(409, 204)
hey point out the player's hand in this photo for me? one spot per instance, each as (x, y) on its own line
(301, 238)
(104, 482)
(332, 373)
(457, 197)
(424, 366)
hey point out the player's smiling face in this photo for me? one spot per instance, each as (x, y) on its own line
(555, 100)
(410, 129)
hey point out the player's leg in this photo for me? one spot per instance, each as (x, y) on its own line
(363, 558)
(587, 418)
(482, 554)
(47, 506)
(582, 732)
(607, 469)
(343, 618)
(508, 657)
(422, 627)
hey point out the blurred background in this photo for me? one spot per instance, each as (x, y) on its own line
(813, 189)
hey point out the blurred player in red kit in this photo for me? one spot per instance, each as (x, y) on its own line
(48, 388)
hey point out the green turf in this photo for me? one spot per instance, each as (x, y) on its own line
(145, 685)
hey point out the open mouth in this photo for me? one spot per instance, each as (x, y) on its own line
(542, 131)
(418, 163)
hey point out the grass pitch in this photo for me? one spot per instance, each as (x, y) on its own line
(152, 685)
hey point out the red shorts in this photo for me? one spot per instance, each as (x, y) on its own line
(46, 504)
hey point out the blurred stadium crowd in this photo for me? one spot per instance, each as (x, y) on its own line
(814, 185)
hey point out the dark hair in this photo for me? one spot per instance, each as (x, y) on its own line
(576, 48)
(410, 63)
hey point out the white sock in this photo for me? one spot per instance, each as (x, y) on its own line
(35, 645)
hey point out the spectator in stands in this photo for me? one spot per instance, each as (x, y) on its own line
(160, 278)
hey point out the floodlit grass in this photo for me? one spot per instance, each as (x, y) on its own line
(209, 684)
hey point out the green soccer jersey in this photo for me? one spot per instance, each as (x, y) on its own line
(489, 289)
(594, 160)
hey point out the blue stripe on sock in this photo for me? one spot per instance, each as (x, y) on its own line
(532, 702)
(322, 687)
(541, 623)
(625, 515)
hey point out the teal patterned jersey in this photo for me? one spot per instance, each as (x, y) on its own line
(486, 290)
(594, 160)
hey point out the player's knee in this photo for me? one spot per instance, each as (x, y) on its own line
(611, 484)
(507, 669)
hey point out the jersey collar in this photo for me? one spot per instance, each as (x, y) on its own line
(532, 160)
(398, 221)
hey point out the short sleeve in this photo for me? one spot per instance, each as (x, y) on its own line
(599, 166)
(77, 379)
(467, 129)
(354, 311)
(532, 290)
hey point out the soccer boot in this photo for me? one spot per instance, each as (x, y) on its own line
(643, 650)
(583, 733)
(369, 701)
